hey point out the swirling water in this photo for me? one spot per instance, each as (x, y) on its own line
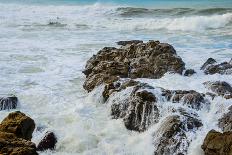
(44, 46)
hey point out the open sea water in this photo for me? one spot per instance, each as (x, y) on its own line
(44, 45)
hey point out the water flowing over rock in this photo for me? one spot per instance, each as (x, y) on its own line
(171, 136)
(220, 88)
(210, 67)
(216, 143)
(48, 142)
(225, 123)
(15, 132)
(8, 102)
(137, 60)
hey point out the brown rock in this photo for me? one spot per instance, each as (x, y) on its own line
(124, 43)
(225, 123)
(19, 124)
(134, 60)
(216, 143)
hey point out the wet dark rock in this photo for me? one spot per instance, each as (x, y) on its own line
(15, 132)
(220, 88)
(48, 142)
(225, 123)
(138, 111)
(171, 136)
(189, 72)
(124, 43)
(19, 124)
(143, 60)
(209, 62)
(216, 143)
(191, 98)
(8, 102)
(210, 67)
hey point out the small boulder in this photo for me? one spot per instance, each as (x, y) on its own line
(8, 102)
(216, 143)
(19, 124)
(48, 142)
(225, 123)
(189, 72)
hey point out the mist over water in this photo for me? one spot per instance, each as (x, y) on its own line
(44, 47)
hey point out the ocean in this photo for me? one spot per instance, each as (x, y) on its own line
(44, 46)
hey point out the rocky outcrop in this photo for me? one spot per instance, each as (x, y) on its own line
(211, 67)
(134, 60)
(171, 137)
(216, 143)
(48, 142)
(9, 102)
(220, 88)
(15, 132)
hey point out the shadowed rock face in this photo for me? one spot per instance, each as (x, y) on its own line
(216, 143)
(15, 132)
(210, 67)
(8, 102)
(48, 142)
(220, 88)
(134, 60)
(189, 72)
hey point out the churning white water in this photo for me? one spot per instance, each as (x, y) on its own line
(44, 49)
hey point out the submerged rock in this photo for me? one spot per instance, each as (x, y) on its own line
(8, 102)
(134, 60)
(48, 142)
(15, 132)
(216, 143)
(225, 123)
(171, 138)
(220, 88)
(210, 67)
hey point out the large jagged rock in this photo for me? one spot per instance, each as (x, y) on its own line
(9, 102)
(210, 67)
(216, 143)
(134, 60)
(171, 137)
(19, 124)
(15, 132)
(220, 88)
(225, 123)
(48, 142)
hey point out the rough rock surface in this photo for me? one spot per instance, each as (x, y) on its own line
(171, 135)
(210, 67)
(48, 142)
(220, 88)
(15, 132)
(19, 124)
(225, 123)
(216, 143)
(141, 60)
(8, 102)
